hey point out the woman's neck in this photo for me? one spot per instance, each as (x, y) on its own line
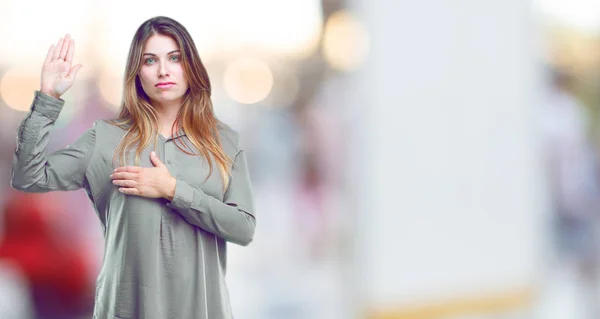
(166, 117)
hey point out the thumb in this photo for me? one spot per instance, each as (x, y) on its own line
(155, 160)
(74, 70)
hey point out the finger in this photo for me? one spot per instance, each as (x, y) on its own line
(65, 48)
(155, 160)
(74, 70)
(124, 175)
(56, 54)
(132, 169)
(124, 183)
(119, 175)
(70, 51)
(129, 191)
(49, 54)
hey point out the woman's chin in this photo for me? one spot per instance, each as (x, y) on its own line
(167, 99)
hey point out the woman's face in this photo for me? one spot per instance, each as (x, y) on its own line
(162, 75)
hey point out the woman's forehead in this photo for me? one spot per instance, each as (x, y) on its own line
(160, 44)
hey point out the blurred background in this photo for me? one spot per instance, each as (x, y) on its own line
(410, 159)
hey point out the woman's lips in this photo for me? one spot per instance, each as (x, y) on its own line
(165, 85)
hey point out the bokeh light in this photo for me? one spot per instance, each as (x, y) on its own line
(282, 27)
(345, 41)
(18, 85)
(248, 80)
(581, 14)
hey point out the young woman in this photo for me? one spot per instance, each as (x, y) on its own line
(168, 181)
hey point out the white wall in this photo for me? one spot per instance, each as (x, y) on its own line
(451, 193)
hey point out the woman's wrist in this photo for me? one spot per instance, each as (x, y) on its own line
(170, 189)
(49, 93)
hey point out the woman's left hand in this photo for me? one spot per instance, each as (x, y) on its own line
(151, 182)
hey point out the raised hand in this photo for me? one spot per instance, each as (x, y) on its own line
(57, 73)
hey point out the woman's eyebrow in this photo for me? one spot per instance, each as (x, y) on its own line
(152, 54)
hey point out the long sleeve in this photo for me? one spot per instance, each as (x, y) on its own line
(233, 219)
(32, 170)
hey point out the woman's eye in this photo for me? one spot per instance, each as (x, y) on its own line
(150, 60)
(175, 58)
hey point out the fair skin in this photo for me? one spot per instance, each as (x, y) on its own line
(58, 75)
(161, 64)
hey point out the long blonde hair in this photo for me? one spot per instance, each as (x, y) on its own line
(196, 116)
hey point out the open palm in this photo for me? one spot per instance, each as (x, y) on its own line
(57, 73)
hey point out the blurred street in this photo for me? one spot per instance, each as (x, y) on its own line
(410, 160)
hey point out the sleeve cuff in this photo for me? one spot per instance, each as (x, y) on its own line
(47, 105)
(184, 195)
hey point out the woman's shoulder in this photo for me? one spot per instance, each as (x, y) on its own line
(228, 136)
(110, 125)
(106, 131)
(102, 124)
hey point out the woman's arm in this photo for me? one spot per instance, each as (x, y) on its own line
(233, 219)
(32, 170)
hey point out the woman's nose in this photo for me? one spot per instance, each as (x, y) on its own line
(162, 70)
